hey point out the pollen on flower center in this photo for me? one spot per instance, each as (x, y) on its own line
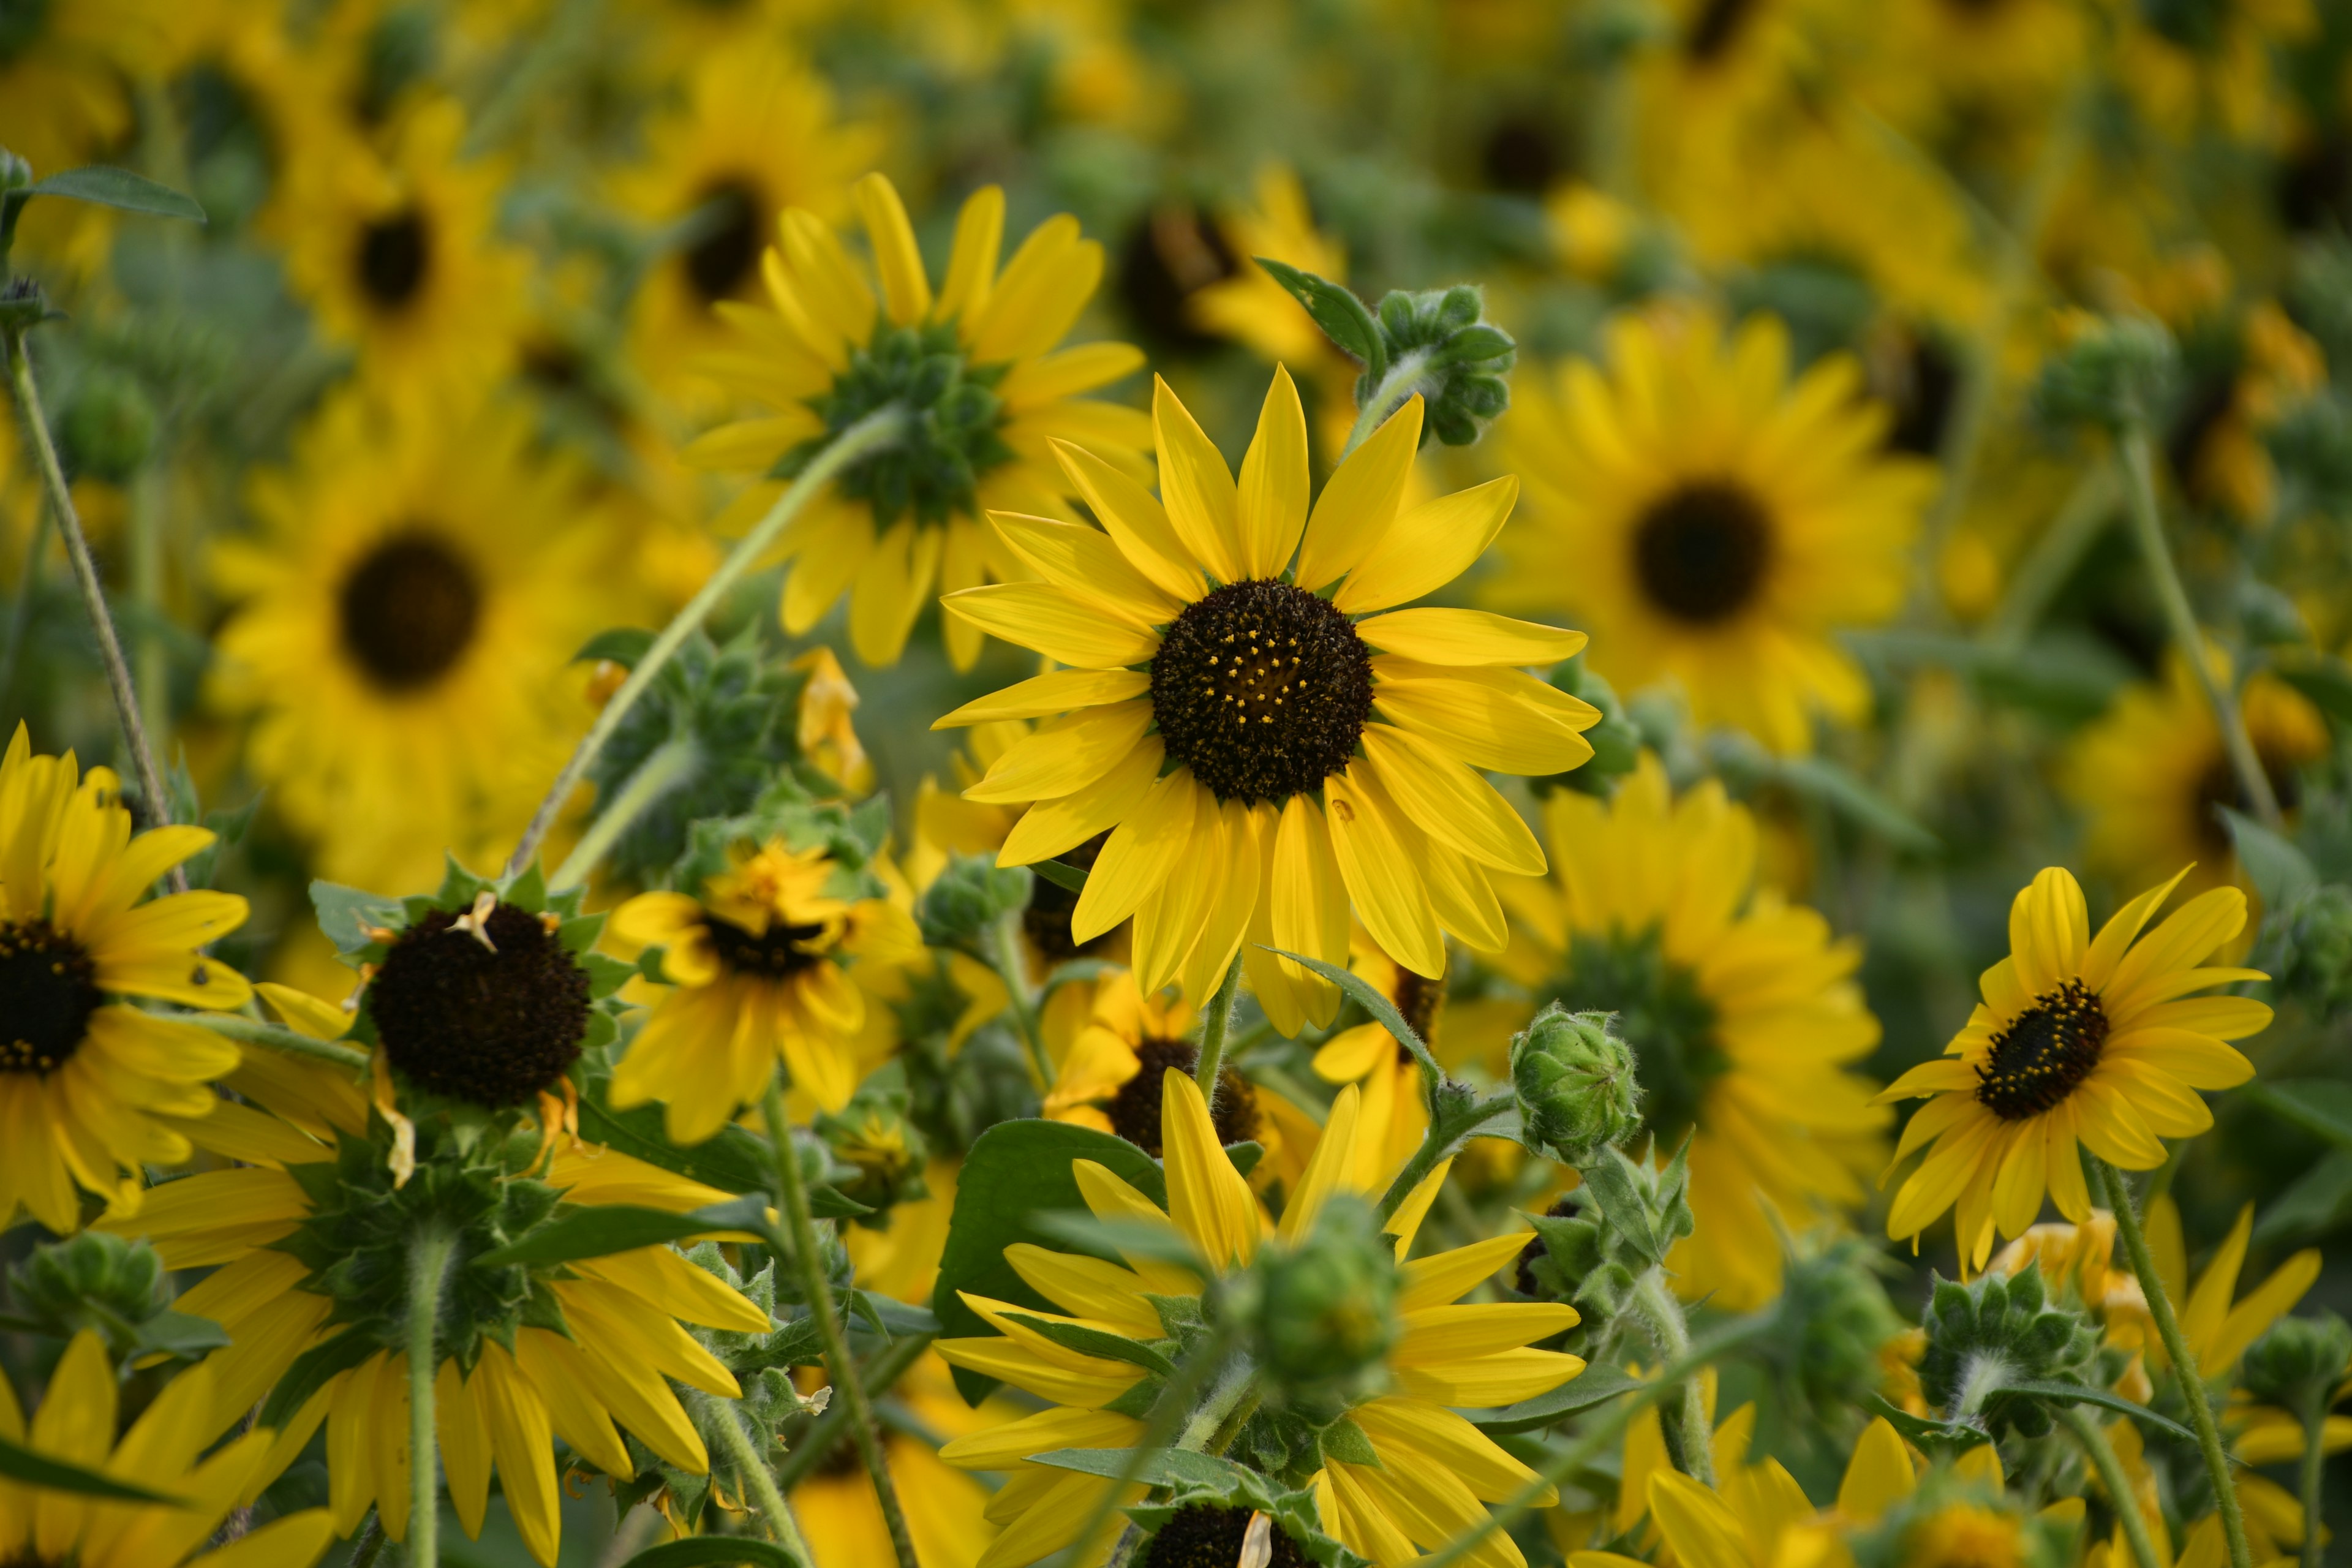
(492, 1017)
(394, 252)
(1204, 1536)
(1134, 1111)
(1700, 552)
(47, 992)
(718, 263)
(1261, 689)
(779, 953)
(2035, 1063)
(409, 611)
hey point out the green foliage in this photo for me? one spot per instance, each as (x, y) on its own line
(1996, 1343)
(1326, 1315)
(117, 1288)
(955, 435)
(1574, 1078)
(2123, 370)
(970, 896)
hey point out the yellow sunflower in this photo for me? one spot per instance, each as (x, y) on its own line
(754, 134)
(1395, 1115)
(1742, 1007)
(392, 241)
(975, 360)
(2095, 1042)
(1187, 622)
(1250, 307)
(2189, 67)
(1434, 1468)
(1717, 522)
(2151, 774)
(402, 625)
(756, 977)
(93, 1086)
(163, 1451)
(945, 1508)
(65, 102)
(281, 1236)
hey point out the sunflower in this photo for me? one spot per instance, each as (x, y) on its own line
(1742, 1007)
(93, 1086)
(2152, 773)
(391, 241)
(1109, 1073)
(975, 363)
(946, 1508)
(754, 134)
(1759, 1516)
(1433, 1468)
(163, 1451)
(1395, 1116)
(1717, 523)
(65, 102)
(403, 619)
(2096, 1041)
(311, 1229)
(1248, 307)
(756, 967)
(1358, 788)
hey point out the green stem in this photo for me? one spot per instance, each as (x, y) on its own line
(1594, 1439)
(370, 1545)
(93, 592)
(1174, 1401)
(1003, 956)
(1445, 1133)
(885, 1370)
(2071, 530)
(2184, 1360)
(2310, 1473)
(723, 1417)
(1389, 396)
(29, 588)
(2147, 529)
(254, 1032)
(429, 1251)
(868, 436)
(841, 1367)
(149, 664)
(663, 770)
(1215, 1025)
(1663, 1316)
(2101, 1455)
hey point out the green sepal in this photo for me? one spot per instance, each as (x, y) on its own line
(1100, 1342)
(46, 1473)
(1345, 1441)
(313, 1370)
(599, 1230)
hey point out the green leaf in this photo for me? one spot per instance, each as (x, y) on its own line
(2281, 873)
(1382, 1010)
(1017, 1173)
(736, 1161)
(34, 1468)
(313, 1370)
(1098, 1342)
(1159, 1467)
(1111, 1237)
(1345, 320)
(1623, 1200)
(2079, 1393)
(182, 1334)
(2318, 1105)
(345, 914)
(108, 187)
(1594, 1385)
(625, 646)
(1934, 1437)
(698, 1550)
(599, 1230)
(2314, 1202)
(1062, 874)
(1831, 784)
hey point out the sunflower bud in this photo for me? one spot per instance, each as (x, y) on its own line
(1992, 1333)
(1464, 358)
(2116, 370)
(1834, 1321)
(1575, 1082)
(1326, 1310)
(94, 1280)
(971, 894)
(872, 1137)
(2316, 961)
(2299, 1363)
(108, 427)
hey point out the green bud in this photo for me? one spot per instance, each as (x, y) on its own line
(1326, 1311)
(2120, 371)
(2300, 1362)
(117, 1288)
(2317, 961)
(108, 427)
(1993, 1333)
(1575, 1081)
(14, 172)
(1835, 1318)
(970, 895)
(872, 1137)
(1616, 740)
(1462, 359)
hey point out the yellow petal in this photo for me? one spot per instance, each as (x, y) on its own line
(1360, 500)
(1879, 1476)
(1196, 486)
(1429, 546)
(1386, 887)
(1065, 754)
(1271, 502)
(1207, 1198)
(1468, 636)
(1135, 521)
(1449, 802)
(972, 262)
(1089, 564)
(906, 291)
(1043, 695)
(1139, 856)
(1060, 624)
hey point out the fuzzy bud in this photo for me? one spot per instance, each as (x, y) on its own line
(2116, 371)
(1995, 1332)
(118, 1287)
(108, 427)
(2299, 1363)
(1463, 357)
(1575, 1081)
(970, 895)
(1326, 1310)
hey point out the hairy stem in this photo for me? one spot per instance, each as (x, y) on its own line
(2310, 1473)
(841, 1367)
(2101, 1455)
(1003, 956)
(2148, 530)
(429, 1252)
(885, 1370)
(1389, 396)
(1172, 1406)
(669, 766)
(93, 592)
(1215, 1025)
(868, 436)
(1444, 1135)
(1663, 1316)
(2184, 1360)
(722, 1416)
(254, 1032)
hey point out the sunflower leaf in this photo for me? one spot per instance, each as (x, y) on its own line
(598, 1230)
(102, 184)
(1135, 1238)
(1062, 874)
(1347, 321)
(30, 1466)
(2281, 873)
(1100, 1343)
(313, 1370)
(1382, 1010)
(1594, 1385)
(1159, 1467)
(2082, 1394)
(1933, 1436)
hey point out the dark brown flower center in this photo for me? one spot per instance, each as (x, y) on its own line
(48, 989)
(1717, 28)
(409, 611)
(494, 1023)
(2036, 1062)
(723, 259)
(1261, 689)
(396, 252)
(1420, 999)
(1046, 920)
(1700, 554)
(782, 952)
(1134, 1111)
(1204, 1536)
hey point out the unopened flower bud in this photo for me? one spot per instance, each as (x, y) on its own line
(1464, 358)
(107, 428)
(970, 894)
(2300, 1361)
(1574, 1077)
(1326, 1310)
(2113, 372)
(1993, 1333)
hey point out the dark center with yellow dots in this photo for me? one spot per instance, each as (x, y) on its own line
(2036, 1062)
(1134, 1111)
(1204, 1536)
(778, 954)
(1261, 689)
(48, 991)
(493, 1017)
(409, 611)
(1700, 554)
(394, 253)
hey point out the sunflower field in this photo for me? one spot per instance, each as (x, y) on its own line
(642, 923)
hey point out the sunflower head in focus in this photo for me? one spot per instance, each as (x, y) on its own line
(390, 239)
(403, 621)
(1429, 1471)
(974, 362)
(768, 961)
(753, 135)
(1715, 522)
(92, 1087)
(1269, 740)
(2080, 1042)
(1742, 1010)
